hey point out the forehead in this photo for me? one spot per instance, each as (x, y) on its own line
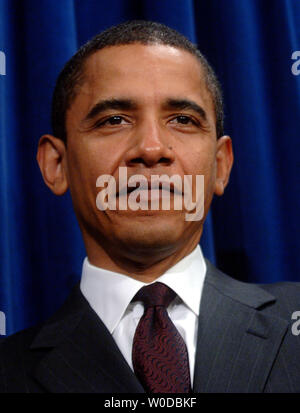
(144, 73)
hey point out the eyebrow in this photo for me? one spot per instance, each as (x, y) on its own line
(103, 105)
(128, 104)
(181, 104)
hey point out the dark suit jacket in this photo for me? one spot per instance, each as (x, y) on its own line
(245, 344)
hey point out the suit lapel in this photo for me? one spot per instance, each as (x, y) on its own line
(82, 356)
(237, 343)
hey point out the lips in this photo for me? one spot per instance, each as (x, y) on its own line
(150, 186)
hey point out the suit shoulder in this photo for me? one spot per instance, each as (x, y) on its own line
(287, 296)
(16, 360)
(21, 339)
(284, 289)
(279, 299)
(15, 346)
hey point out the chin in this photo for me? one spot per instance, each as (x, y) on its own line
(151, 234)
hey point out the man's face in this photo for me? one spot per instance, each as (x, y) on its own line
(146, 108)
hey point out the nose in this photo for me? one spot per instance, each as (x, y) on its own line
(152, 146)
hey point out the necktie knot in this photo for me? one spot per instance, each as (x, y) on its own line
(156, 294)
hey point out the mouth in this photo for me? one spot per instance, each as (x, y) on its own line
(153, 188)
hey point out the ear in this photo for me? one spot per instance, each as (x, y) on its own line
(224, 160)
(51, 157)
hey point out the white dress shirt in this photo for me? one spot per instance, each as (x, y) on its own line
(110, 294)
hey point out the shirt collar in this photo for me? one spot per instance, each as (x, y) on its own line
(109, 293)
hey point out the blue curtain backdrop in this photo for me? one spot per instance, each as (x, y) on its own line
(252, 232)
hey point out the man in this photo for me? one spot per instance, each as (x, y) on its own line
(140, 98)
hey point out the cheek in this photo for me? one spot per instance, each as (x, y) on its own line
(88, 162)
(199, 161)
(202, 162)
(82, 175)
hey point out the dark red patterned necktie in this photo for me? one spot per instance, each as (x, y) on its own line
(159, 353)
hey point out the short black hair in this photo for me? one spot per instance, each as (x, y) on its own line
(136, 31)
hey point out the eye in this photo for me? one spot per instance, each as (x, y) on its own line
(112, 120)
(183, 120)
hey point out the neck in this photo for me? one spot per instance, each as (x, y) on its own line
(145, 266)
